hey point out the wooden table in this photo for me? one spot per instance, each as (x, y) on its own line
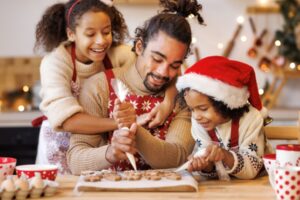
(208, 190)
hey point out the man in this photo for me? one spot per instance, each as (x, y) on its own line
(161, 47)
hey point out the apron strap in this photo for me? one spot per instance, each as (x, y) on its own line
(234, 142)
(109, 76)
(107, 63)
(73, 56)
(213, 135)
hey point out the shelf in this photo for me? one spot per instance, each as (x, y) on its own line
(263, 9)
(18, 119)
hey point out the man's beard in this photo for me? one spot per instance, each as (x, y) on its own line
(156, 89)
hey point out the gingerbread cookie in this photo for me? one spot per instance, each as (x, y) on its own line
(112, 176)
(93, 178)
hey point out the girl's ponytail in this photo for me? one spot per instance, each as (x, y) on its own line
(51, 29)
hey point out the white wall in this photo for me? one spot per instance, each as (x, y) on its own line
(18, 19)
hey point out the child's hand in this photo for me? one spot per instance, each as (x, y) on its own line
(214, 153)
(124, 113)
(159, 114)
(197, 163)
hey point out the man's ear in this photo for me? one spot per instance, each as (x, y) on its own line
(71, 35)
(139, 47)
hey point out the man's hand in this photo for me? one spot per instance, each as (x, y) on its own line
(157, 116)
(121, 142)
(124, 113)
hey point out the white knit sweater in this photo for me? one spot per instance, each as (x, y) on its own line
(252, 143)
(56, 71)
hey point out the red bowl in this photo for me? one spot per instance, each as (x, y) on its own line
(47, 171)
(7, 166)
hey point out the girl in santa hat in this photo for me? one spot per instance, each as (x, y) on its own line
(227, 116)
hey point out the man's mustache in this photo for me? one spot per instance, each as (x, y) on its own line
(166, 79)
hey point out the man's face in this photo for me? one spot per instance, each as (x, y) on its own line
(159, 63)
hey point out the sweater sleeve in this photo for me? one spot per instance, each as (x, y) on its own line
(56, 91)
(171, 152)
(248, 158)
(122, 56)
(87, 152)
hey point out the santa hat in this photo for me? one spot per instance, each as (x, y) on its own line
(228, 81)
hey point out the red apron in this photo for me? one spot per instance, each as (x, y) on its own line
(234, 139)
(142, 104)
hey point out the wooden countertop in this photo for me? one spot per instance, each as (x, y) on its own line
(258, 189)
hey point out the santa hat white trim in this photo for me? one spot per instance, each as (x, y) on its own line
(107, 2)
(233, 97)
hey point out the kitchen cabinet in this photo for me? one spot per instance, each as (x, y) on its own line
(18, 138)
(20, 143)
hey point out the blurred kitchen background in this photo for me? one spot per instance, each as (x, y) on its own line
(254, 31)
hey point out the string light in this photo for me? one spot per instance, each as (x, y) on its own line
(263, 2)
(298, 67)
(244, 38)
(277, 43)
(292, 65)
(240, 19)
(261, 91)
(191, 16)
(25, 88)
(21, 108)
(220, 45)
(194, 40)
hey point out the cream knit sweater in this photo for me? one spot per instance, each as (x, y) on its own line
(87, 152)
(56, 72)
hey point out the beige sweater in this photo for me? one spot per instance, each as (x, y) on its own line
(56, 72)
(87, 152)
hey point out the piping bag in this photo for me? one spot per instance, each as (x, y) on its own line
(121, 91)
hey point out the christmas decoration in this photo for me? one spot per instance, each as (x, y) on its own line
(265, 62)
(231, 43)
(258, 42)
(289, 36)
